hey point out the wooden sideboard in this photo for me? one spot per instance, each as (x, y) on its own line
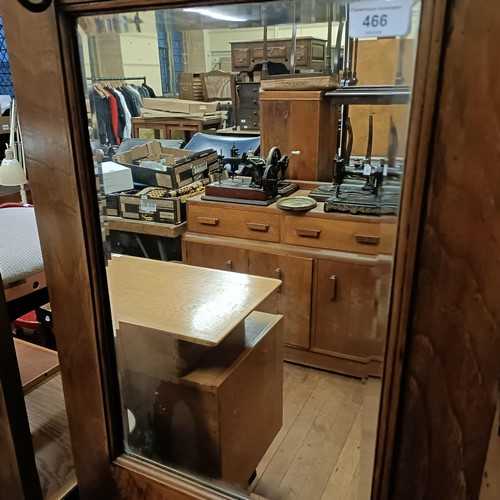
(310, 53)
(335, 271)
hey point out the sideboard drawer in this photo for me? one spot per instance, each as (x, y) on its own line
(238, 223)
(347, 236)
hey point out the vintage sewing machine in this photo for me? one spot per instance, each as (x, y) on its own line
(366, 185)
(253, 180)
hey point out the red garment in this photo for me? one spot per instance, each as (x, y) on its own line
(114, 115)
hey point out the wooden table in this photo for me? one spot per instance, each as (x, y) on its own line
(189, 337)
(168, 125)
(35, 363)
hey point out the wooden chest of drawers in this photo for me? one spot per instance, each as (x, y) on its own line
(309, 53)
(248, 113)
(335, 271)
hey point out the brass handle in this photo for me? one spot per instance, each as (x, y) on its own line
(229, 265)
(278, 272)
(333, 279)
(208, 221)
(364, 239)
(308, 233)
(255, 226)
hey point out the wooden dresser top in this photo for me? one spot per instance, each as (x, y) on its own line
(189, 303)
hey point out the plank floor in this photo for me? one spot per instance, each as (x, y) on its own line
(325, 449)
(49, 431)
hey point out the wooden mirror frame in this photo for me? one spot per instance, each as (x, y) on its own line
(44, 60)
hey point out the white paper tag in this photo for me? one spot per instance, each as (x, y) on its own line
(5, 127)
(147, 207)
(379, 18)
(367, 170)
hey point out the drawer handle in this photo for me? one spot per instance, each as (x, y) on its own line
(208, 221)
(254, 226)
(333, 279)
(308, 233)
(364, 239)
(229, 265)
(278, 276)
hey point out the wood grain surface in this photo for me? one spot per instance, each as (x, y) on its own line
(189, 303)
(50, 434)
(18, 474)
(452, 374)
(152, 228)
(35, 363)
(48, 119)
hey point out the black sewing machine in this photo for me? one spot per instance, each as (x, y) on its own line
(253, 180)
(367, 186)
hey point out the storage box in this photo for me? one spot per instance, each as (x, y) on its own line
(4, 124)
(172, 169)
(149, 208)
(113, 202)
(180, 106)
(116, 177)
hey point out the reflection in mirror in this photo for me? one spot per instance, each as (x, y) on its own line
(250, 160)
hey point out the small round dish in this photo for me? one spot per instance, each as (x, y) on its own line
(296, 203)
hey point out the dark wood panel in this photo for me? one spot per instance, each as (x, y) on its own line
(451, 378)
(18, 474)
(50, 156)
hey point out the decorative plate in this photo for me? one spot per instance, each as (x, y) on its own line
(296, 203)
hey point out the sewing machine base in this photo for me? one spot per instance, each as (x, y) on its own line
(356, 203)
(238, 190)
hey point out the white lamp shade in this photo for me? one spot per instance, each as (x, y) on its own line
(11, 173)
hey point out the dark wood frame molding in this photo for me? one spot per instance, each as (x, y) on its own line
(61, 177)
(18, 473)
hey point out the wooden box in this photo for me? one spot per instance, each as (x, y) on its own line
(141, 206)
(179, 105)
(303, 121)
(190, 87)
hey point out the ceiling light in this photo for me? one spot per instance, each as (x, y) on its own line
(215, 15)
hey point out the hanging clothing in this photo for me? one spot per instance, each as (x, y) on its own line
(121, 113)
(100, 106)
(127, 129)
(150, 90)
(137, 97)
(130, 100)
(114, 115)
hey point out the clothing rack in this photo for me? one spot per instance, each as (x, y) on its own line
(120, 79)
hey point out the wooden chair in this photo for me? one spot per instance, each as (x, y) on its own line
(216, 86)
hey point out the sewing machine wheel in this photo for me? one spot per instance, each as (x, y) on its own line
(274, 156)
(270, 179)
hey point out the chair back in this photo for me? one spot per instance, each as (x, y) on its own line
(222, 144)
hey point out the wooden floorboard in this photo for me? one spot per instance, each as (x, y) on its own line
(50, 434)
(325, 448)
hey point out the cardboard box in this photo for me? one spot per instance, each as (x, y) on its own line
(167, 167)
(179, 105)
(113, 202)
(140, 206)
(4, 124)
(116, 177)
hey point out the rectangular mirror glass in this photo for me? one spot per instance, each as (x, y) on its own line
(250, 159)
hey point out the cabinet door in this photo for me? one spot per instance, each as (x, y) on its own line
(351, 311)
(216, 257)
(293, 298)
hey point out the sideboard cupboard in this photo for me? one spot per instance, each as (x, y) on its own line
(441, 365)
(335, 271)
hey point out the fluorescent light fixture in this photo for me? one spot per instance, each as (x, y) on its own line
(215, 15)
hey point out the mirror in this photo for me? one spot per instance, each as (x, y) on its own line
(250, 162)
